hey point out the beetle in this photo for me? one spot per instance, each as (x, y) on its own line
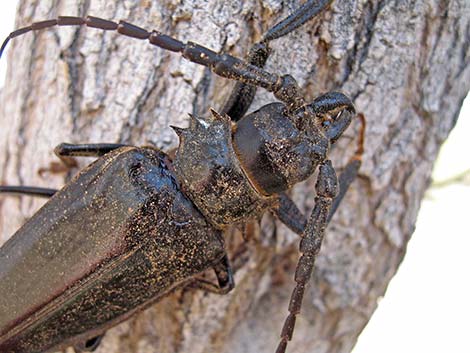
(135, 224)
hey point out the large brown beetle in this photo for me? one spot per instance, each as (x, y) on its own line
(153, 224)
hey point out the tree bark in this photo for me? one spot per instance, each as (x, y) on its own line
(404, 63)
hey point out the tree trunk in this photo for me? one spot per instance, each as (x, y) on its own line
(404, 63)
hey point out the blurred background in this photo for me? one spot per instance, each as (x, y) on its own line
(427, 304)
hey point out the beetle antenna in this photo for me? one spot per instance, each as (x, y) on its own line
(224, 65)
(312, 238)
(303, 14)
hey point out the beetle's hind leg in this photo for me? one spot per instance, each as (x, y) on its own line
(86, 149)
(224, 274)
(65, 152)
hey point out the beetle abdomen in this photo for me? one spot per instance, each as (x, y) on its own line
(115, 239)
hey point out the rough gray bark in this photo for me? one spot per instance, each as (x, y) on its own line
(403, 62)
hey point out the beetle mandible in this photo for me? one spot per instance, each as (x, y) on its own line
(153, 223)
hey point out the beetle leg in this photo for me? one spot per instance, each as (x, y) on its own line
(248, 73)
(66, 150)
(225, 279)
(27, 190)
(243, 94)
(86, 149)
(304, 13)
(289, 214)
(224, 274)
(345, 179)
(326, 188)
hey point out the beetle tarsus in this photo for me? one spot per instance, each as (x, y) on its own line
(307, 11)
(224, 274)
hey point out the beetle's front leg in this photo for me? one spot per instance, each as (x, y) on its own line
(289, 214)
(243, 94)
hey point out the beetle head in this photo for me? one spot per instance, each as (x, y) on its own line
(278, 149)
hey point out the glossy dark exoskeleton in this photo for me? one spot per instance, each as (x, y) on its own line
(120, 235)
(135, 224)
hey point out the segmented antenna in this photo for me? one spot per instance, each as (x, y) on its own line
(284, 87)
(303, 14)
(312, 238)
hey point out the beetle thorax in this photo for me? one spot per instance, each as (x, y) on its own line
(210, 173)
